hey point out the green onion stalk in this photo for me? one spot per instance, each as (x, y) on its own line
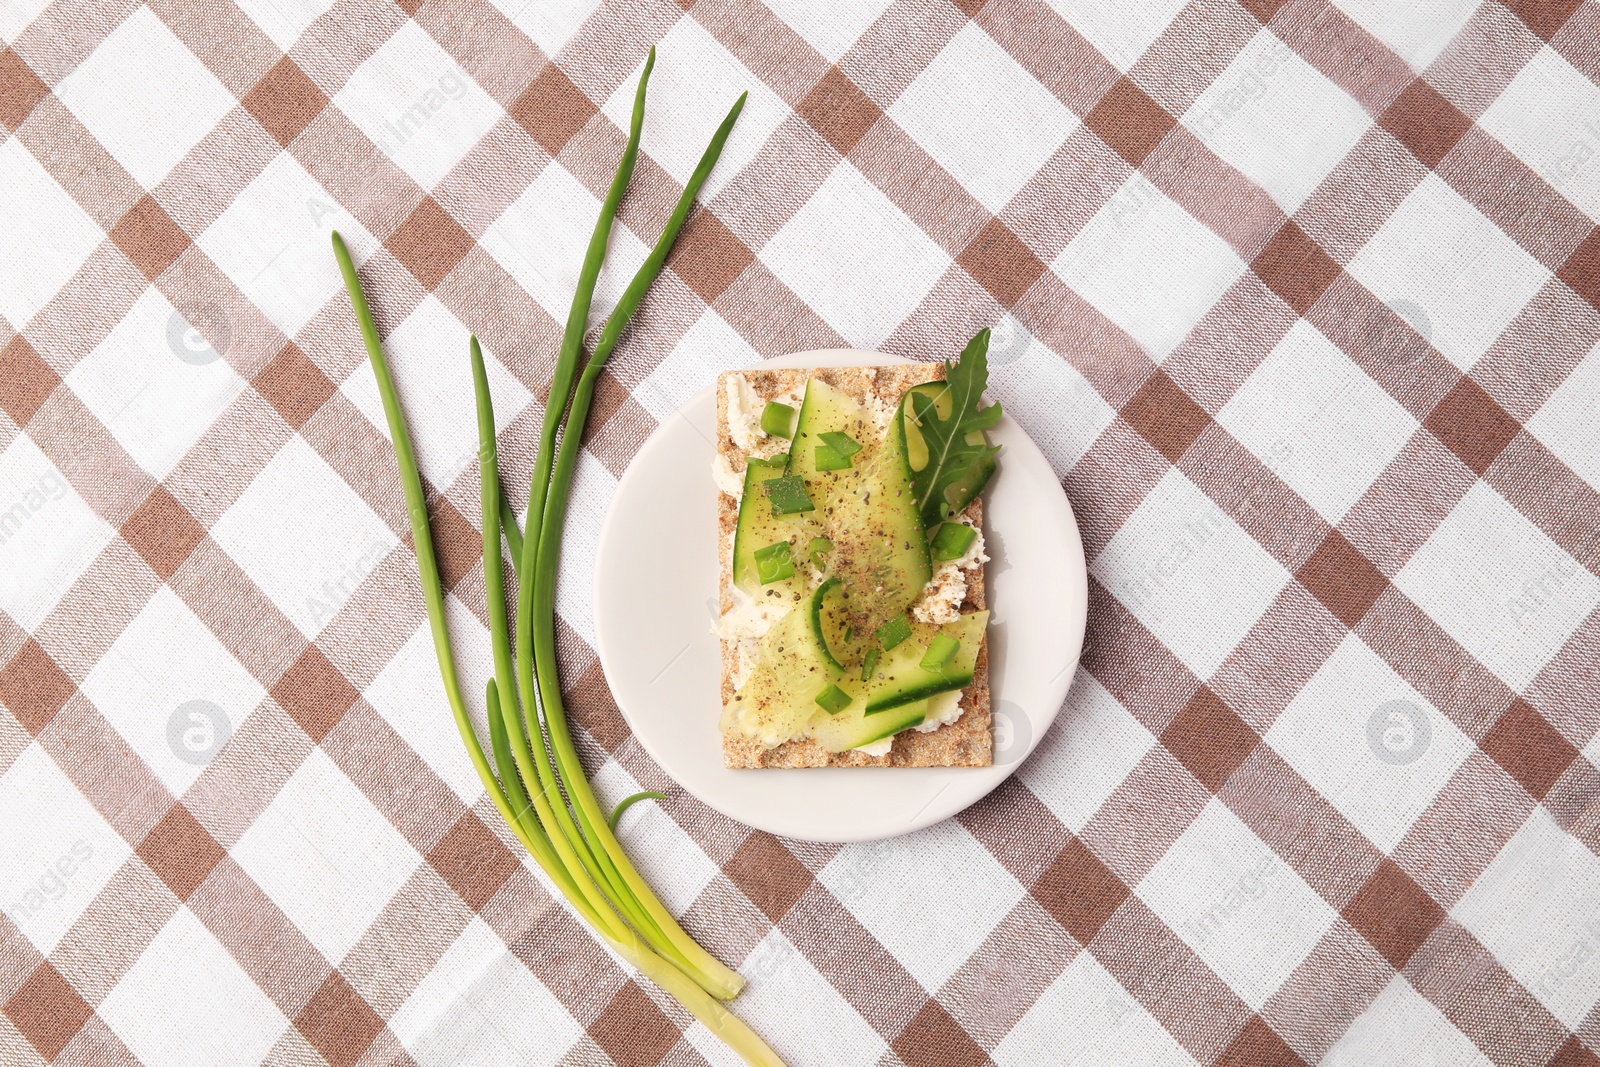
(541, 789)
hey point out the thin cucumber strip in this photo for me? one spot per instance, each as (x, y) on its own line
(627, 802)
(717, 979)
(605, 922)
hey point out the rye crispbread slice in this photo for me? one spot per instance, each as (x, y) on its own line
(966, 742)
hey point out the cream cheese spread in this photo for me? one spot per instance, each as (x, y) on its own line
(744, 413)
(746, 623)
(882, 411)
(942, 597)
(728, 480)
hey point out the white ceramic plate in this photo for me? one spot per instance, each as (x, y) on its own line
(656, 576)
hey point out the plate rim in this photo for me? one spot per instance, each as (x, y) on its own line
(995, 773)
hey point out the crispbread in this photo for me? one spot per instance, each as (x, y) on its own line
(967, 742)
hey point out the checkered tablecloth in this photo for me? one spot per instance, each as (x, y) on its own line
(1300, 299)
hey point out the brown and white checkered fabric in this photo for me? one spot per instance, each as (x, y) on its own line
(1301, 298)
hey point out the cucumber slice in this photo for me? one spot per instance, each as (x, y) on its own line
(837, 640)
(829, 411)
(758, 529)
(853, 727)
(904, 673)
(879, 549)
(779, 698)
(902, 679)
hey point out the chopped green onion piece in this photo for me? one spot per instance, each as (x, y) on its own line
(894, 631)
(820, 547)
(841, 443)
(829, 459)
(774, 563)
(953, 540)
(833, 700)
(869, 664)
(788, 494)
(940, 649)
(777, 419)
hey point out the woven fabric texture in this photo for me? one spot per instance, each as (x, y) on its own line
(1301, 299)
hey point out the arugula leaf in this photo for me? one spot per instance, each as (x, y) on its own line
(959, 461)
